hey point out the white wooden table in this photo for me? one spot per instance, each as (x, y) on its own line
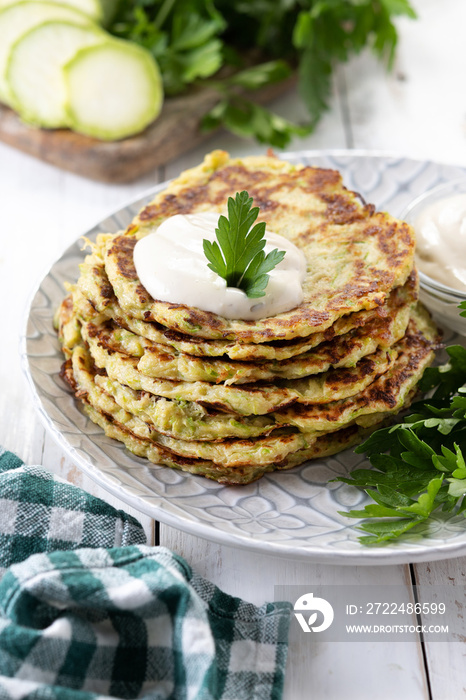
(420, 111)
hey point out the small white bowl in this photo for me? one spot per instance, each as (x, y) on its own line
(443, 301)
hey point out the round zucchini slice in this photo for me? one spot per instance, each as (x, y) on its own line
(17, 19)
(114, 90)
(97, 10)
(35, 69)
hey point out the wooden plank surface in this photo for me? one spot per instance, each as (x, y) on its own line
(447, 662)
(44, 209)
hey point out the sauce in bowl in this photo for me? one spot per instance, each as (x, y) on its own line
(441, 241)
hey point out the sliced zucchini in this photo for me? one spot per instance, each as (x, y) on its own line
(98, 10)
(17, 19)
(35, 69)
(114, 90)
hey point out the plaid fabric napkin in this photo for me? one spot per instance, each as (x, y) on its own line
(39, 512)
(118, 622)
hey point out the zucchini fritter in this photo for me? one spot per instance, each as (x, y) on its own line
(233, 399)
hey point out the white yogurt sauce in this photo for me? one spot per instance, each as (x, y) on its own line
(172, 266)
(441, 241)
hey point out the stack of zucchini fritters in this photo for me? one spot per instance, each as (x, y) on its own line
(233, 399)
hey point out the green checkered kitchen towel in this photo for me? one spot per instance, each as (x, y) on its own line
(39, 512)
(133, 621)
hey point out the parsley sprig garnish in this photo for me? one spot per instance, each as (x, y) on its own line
(419, 464)
(237, 255)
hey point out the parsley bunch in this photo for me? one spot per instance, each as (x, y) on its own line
(419, 464)
(214, 42)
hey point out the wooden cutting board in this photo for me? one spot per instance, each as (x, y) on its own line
(174, 132)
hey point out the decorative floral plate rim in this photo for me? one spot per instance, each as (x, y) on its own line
(291, 514)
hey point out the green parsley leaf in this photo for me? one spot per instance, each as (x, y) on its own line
(202, 43)
(248, 119)
(418, 465)
(448, 377)
(237, 255)
(261, 75)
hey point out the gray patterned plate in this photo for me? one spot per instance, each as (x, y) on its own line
(291, 514)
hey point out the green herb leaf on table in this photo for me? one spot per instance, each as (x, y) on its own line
(201, 43)
(237, 255)
(255, 77)
(418, 465)
(247, 119)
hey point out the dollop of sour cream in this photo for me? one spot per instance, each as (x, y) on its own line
(441, 241)
(172, 266)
